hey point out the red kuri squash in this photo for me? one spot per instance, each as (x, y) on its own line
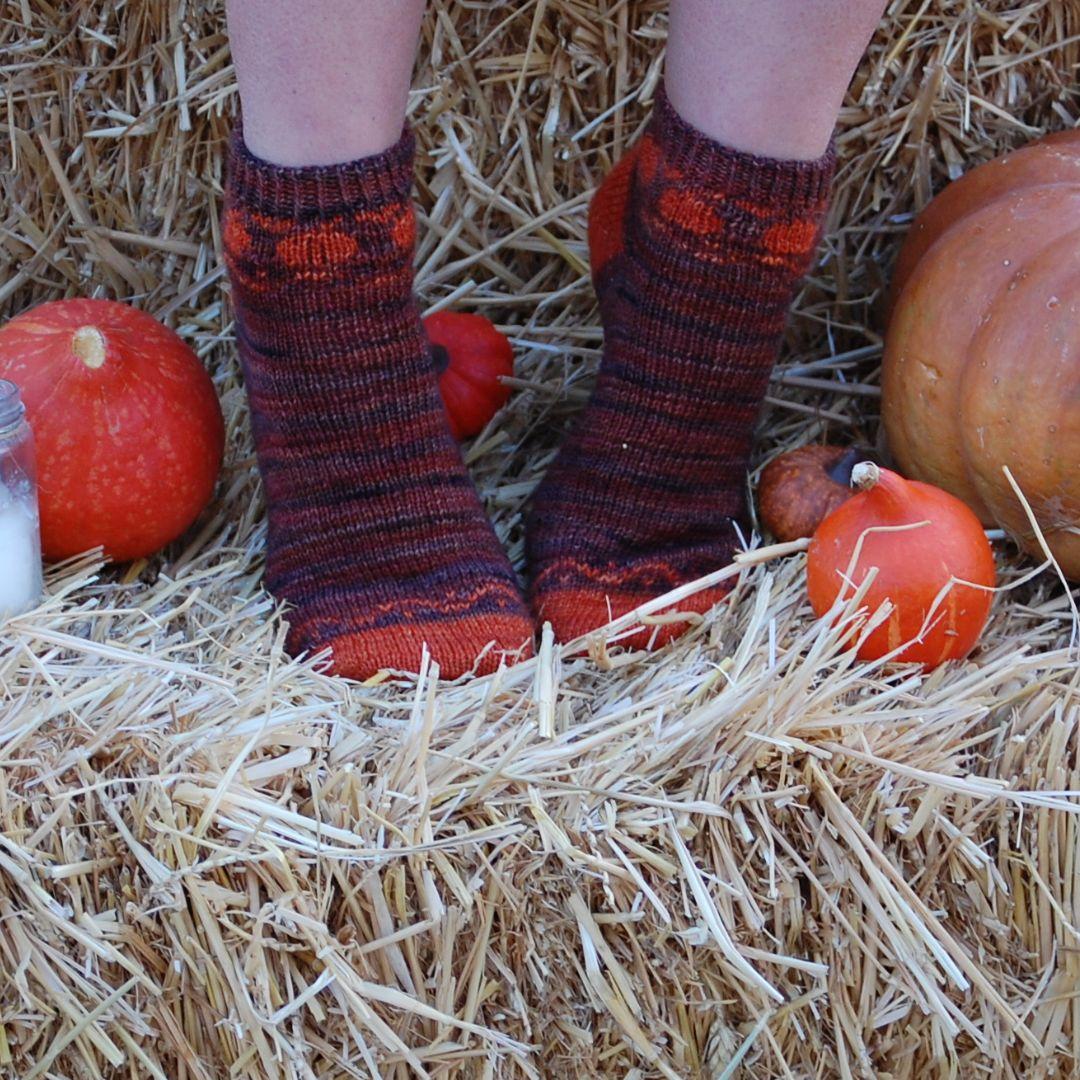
(127, 425)
(933, 562)
(471, 358)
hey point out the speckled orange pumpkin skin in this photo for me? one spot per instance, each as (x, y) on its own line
(1053, 159)
(982, 369)
(796, 491)
(128, 452)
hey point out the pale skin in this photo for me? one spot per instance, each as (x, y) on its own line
(330, 85)
(766, 76)
(323, 81)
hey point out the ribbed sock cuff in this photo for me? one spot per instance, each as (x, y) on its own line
(800, 184)
(320, 190)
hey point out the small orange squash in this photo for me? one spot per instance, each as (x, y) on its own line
(982, 357)
(126, 421)
(801, 487)
(933, 562)
(471, 358)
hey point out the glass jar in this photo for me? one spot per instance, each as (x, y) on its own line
(20, 540)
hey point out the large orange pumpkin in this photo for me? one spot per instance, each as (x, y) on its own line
(982, 357)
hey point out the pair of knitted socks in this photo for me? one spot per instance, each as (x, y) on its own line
(376, 536)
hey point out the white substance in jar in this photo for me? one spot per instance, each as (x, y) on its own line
(20, 559)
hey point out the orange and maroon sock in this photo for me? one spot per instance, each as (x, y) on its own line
(696, 251)
(376, 535)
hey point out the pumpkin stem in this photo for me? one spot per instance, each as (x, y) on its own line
(889, 489)
(440, 358)
(88, 344)
(865, 475)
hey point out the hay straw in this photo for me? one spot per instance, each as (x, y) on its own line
(747, 854)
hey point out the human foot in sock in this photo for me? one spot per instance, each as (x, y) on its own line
(376, 535)
(696, 252)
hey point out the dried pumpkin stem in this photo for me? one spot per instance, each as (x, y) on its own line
(865, 475)
(890, 491)
(440, 358)
(839, 471)
(88, 344)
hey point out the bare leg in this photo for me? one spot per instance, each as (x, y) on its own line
(766, 76)
(323, 81)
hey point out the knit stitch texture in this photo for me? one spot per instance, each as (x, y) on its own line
(376, 536)
(696, 252)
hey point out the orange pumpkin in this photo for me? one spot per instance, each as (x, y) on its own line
(933, 561)
(471, 358)
(982, 357)
(1054, 159)
(126, 422)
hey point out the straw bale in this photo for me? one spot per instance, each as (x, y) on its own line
(746, 855)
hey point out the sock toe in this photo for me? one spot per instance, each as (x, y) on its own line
(473, 644)
(576, 609)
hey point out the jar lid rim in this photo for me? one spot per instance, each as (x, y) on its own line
(11, 404)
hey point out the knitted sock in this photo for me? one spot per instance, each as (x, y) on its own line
(376, 535)
(696, 252)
